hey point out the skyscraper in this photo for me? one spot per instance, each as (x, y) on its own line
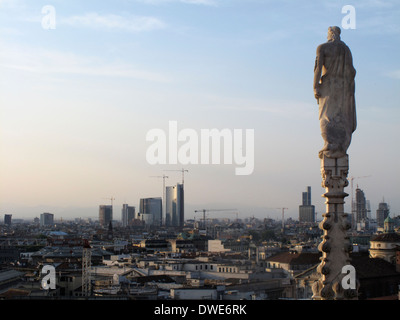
(46, 219)
(105, 215)
(175, 213)
(382, 213)
(307, 210)
(361, 210)
(127, 214)
(151, 211)
(7, 219)
(307, 197)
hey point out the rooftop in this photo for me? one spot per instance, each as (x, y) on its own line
(387, 237)
(367, 267)
(295, 258)
(9, 275)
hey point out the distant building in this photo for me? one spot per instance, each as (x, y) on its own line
(307, 210)
(7, 219)
(293, 262)
(382, 213)
(154, 245)
(361, 208)
(46, 219)
(105, 215)
(387, 244)
(307, 197)
(127, 215)
(151, 211)
(174, 211)
(216, 246)
(388, 225)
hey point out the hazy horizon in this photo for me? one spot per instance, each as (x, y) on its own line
(77, 100)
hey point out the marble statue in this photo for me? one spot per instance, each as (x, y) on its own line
(334, 89)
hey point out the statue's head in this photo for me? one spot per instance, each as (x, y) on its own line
(334, 33)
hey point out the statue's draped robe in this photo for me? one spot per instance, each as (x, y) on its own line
(337, 111)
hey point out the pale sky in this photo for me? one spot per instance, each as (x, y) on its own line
(77, 101)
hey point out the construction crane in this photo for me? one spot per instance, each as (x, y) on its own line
(111, 199)
(283, 217)
(210, 210)
(183, 174)
(163, 177)
(283, 212)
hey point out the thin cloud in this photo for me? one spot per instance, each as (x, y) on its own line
(11, 4)
(195, 2)
(394, 74)
(42, 61)
(281, 108)
(201, 2)
(129, 23)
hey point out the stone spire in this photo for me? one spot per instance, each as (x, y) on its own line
(334, 90)
(335, 246)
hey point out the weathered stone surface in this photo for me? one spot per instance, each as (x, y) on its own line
(335, 245)
(334, 89)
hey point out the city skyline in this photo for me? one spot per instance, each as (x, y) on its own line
(78, 100)
(269, 213)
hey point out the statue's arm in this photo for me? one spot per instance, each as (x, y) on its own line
(319, 62)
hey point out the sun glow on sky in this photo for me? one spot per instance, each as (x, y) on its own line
(77, 101)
